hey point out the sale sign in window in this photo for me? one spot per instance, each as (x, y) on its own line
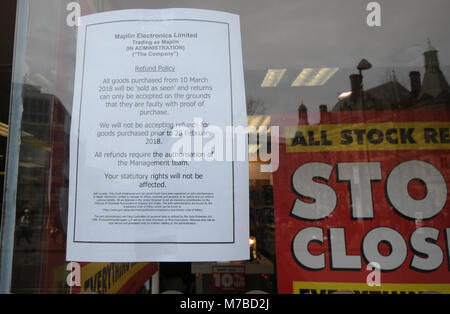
(228, 278)
(361, 203)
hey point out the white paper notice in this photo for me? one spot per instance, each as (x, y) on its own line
(158, 168)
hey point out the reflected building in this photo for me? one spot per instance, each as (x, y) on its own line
(43, 187)
(431, 93)
(435, 91)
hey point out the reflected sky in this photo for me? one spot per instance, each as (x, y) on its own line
(284, 34)
(323, 33)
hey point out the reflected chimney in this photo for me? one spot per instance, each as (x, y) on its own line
(356, 83)
(414, 77)
(302, 115)
(323, 109)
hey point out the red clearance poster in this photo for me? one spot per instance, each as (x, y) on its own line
(361, 202)
(228, 278)
(114, 278)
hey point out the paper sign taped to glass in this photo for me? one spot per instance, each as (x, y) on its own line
(157, 169)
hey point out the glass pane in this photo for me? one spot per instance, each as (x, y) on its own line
(354, 92)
